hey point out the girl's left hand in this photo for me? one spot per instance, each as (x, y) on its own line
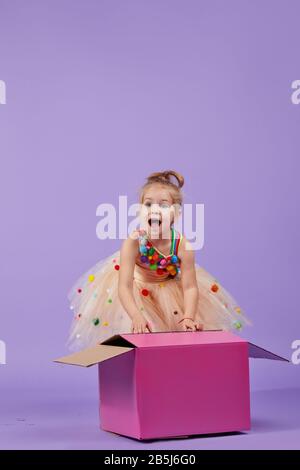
(189, 324)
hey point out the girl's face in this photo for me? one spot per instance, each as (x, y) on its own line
(157, 211)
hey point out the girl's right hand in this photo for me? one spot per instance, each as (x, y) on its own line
(140, 325)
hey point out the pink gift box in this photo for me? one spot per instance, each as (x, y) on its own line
(159, 385)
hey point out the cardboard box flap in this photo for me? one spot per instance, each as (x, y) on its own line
(89, 357)
(180, 338)
(119, 340)
(258, 352)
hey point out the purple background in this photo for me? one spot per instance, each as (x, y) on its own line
(100, 94)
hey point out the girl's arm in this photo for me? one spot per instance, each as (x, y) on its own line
(189, 284)
(125, 286)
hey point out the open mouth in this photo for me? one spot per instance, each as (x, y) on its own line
(154, 221)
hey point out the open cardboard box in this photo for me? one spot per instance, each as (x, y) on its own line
(171, 384)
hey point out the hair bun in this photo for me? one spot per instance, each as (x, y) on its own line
(168, 176)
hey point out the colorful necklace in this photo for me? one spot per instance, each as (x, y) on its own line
(156, 259)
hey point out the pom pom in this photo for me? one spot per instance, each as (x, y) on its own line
(144, 259)
(237, 325)
(117, 267)
(143, 250)
(145, 292)
(153, 266)
(109, 301)
(91, 277)
(79, 290)
(163, 262)
(174, 259)
(214, 288)
(160, 271)
(151, 251)
(238, 309)
(96, 321)
(105, 323)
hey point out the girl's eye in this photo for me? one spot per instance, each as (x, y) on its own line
(164, 205)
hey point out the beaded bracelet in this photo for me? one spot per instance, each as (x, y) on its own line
(186, 318)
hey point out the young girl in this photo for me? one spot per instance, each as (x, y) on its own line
(153, 283)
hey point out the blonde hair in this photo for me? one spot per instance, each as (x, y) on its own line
(170, 179)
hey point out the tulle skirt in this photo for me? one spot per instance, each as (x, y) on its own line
(99, 314)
